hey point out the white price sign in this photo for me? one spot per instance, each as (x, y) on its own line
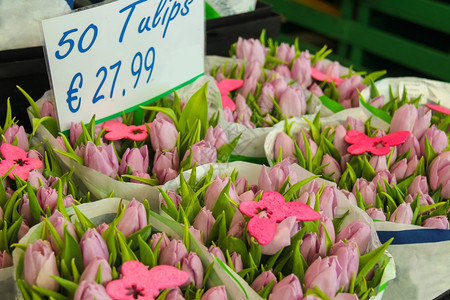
(115, 57)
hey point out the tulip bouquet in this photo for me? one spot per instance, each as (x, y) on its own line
(313, 72)
(105, 250)
(283, 224)
(397, 176)
(116, 156)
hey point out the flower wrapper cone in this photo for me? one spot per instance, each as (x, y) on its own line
(99, 185)
(336, 119)
(419, 254)
(236, 287)
(248, 171)
(250, 145)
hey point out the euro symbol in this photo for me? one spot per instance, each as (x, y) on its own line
(72, 90)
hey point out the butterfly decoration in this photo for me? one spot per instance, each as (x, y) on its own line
(117, 130)
(16, 157)
(317, 75)
(361, 143)
(138, 282)
(270, 210)
(225, 87)
(438, 108)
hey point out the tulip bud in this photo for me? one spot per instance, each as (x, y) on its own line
(241, 185)
(101, 159)
(286, 144)
(59, 222)
(165, 165)
(236, 260)
(47, 198)
(279, 85)
(418, 185)
(323, 273)
(22, 230)
(348, 90)
(237, 225)
(176, 199)
(262, 280)
(376, 214)
(292, 102)
(405, 119)
(75, 131)
(202, 153)
(196, 233)
(243, 112)
(348, 259)
(102, 228)
(339, 141)
(215, 293)
(214, 190)
(332, 70)
(368, 190)
(40, 265)
(301, 71)
(93, 245)
(350, 196)
(88, 290)
(217, 252)
(192, 264)
(378, 163)
(134, 218)
(135, 159)
(36, 179)
(251, 50)
(5, 260)
(17, 132)
(439, 222)
(173, 253)
(439, 174)
(310, 247)
(344, 296)
(402, 168)
(254, 70)
(302, 144)
(380, 178)
(264, 101)
(204, 221)
(412, 145)
(316, 90)
(91, 271)
(377, 102)
(285, 52)
(329, 201)
(359, 232)
(333, 169)
(247, 196)
(25, 210)
(437, 139)
(275, 178)
(403, 214)
(288, 288)
(355, 124)
(156, 237)
(163, 134)
(282, 237)
(216, 136)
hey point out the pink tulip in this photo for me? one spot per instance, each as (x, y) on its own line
(91, 271)
(214, 190)
(40, 265)
(217, 252)
(288, 288)
(329, 201)
(176, 199)
(165, 165)
(333, 69)
(25, 210)
(348, 90)
(173, 253)
(437, 139)
(93, 245)
(163, 134)
(247, 196)
(383, 176)
(376, 214)
(59, 222)
(418, 185)
(377, 102)
(283, 70)
(264, 101)
(102, 228)
(323, 273)
(249, 86)
(412, 144)
(316, 90)
(262, 280)
(90, 290)
(17, 132)
(135, 159)
(75, 131)
(333, 169)
(326, 222)
(237, 225)
(350, 196)
(302, 145)
(22, 230)
(282, 237)
(161, 238)
(378, 163)
(310, 247)
(407, 118)
(439, 174)
(403, 168)
(216, 136)
(251, 50)
(345, 296)
(193, 265)
(134, 218)
(254, 70)
(243, 111)
(285, 52)
(215, 293)
(339, 141)
(202, 153)
(301, 71)
(47, 198)
(439, 222)
(403, 214)
(368, 190)
(241, 185)
(292, 102)
(36, 179)
(359, 232)
(274, 179)
(286, 144)
(236, 259)
(348, 259)
(355, 124)
(5, 260)
(174, 294)
(204, 221)
(101, 159)
(279, 86)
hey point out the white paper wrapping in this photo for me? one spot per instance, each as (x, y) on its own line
(251, 172)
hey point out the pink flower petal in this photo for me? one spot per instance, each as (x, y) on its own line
(262, 229)
(301, 211)
(438, 108)
(11, 152)
(317, 75)
(396, 138)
